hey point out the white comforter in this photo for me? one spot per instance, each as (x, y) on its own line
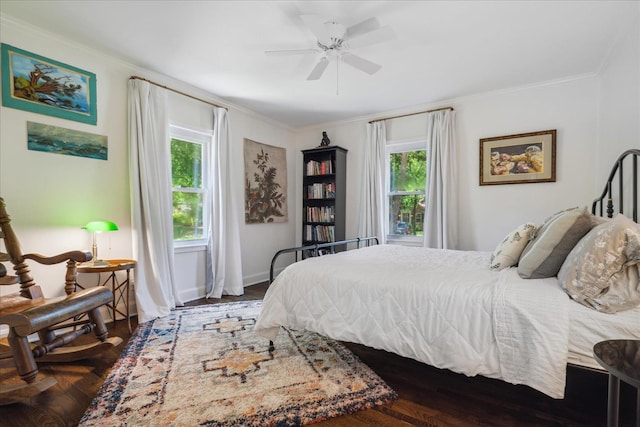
(441, 307)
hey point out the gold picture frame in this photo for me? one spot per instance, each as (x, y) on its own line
(518, 159)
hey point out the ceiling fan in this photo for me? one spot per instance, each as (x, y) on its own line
(335, 41)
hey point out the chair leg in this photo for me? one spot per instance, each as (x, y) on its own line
(22, 357)
(101, 329)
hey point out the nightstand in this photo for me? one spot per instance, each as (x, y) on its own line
(120, 288)
(621, 358)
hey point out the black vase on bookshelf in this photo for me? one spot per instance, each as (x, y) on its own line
(324, 195)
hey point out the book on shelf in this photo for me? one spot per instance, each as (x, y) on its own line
(319, 168)
(320, 233)
(320, 214)
(321, 191)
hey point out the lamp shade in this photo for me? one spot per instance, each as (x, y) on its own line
(98, 226)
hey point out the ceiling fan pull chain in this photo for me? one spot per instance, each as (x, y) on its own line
(337, 76)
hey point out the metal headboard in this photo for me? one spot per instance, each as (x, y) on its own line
(597, 208)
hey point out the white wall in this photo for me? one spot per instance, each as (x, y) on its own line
(261, 241)
(597, 117)
(50, 196)
(619, 100)
(488, 213)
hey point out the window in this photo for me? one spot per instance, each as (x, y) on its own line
(188, 180)
(406, 182)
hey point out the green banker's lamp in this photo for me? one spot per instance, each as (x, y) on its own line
(96, 227)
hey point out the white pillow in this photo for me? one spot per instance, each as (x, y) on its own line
(508, 251)
(603, 269)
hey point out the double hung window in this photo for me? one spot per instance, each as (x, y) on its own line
(189, 169)
(405, 189)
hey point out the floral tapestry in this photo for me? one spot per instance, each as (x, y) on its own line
(265, 183)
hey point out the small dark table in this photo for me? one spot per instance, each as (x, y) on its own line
(621, 358)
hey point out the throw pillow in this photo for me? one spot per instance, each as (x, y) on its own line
(602, 271)
(509, 249)
(545, 254)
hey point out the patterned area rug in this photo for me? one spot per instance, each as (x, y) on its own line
(205, 366)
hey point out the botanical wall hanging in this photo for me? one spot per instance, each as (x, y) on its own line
(265, 188)
(34, 83)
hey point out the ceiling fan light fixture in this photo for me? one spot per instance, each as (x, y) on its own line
(336, 33)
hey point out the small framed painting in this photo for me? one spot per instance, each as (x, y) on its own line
(41, 85)
(518, 159)
(54, 139)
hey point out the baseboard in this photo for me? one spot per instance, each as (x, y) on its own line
(192, 294)
(254, 279)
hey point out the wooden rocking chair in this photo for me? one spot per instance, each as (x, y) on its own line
(27, 312)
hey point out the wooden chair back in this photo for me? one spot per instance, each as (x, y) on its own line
(13, 253)
(27, 312)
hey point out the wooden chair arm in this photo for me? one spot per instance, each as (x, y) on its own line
(77, 256)
(6, 279)
(72, 258)
(9, 280)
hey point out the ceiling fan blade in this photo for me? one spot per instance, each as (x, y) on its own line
(318, 70)
(290, 52)
(361, 28)
(317, 27)
(379, 35)
(360, 63)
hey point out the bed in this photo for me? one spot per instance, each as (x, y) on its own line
(480, 313)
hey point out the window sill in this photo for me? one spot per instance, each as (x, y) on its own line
(405, 241)
(198, 247)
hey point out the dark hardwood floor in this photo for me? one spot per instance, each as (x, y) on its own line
(427, 396)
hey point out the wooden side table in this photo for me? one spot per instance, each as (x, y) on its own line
(119, 288)
(621, 358)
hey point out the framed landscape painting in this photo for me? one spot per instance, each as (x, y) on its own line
(41, 85)
(518, 159)
(54, 139)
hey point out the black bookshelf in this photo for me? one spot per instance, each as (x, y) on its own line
(324, 195)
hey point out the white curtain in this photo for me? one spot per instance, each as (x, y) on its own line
(224, 265)
(440, 224)
(372, 201)
(151, 200)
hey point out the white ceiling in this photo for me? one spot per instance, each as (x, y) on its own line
(442, 50)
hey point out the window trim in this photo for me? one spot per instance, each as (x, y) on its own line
(204, 138)
(392, 147)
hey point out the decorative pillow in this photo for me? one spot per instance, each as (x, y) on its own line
(602, 271)
(553, 241)
(508, 251)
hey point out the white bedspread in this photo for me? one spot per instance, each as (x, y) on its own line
(443, 308)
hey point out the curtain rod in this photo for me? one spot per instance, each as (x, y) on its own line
(177, 91)
(412, 114)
